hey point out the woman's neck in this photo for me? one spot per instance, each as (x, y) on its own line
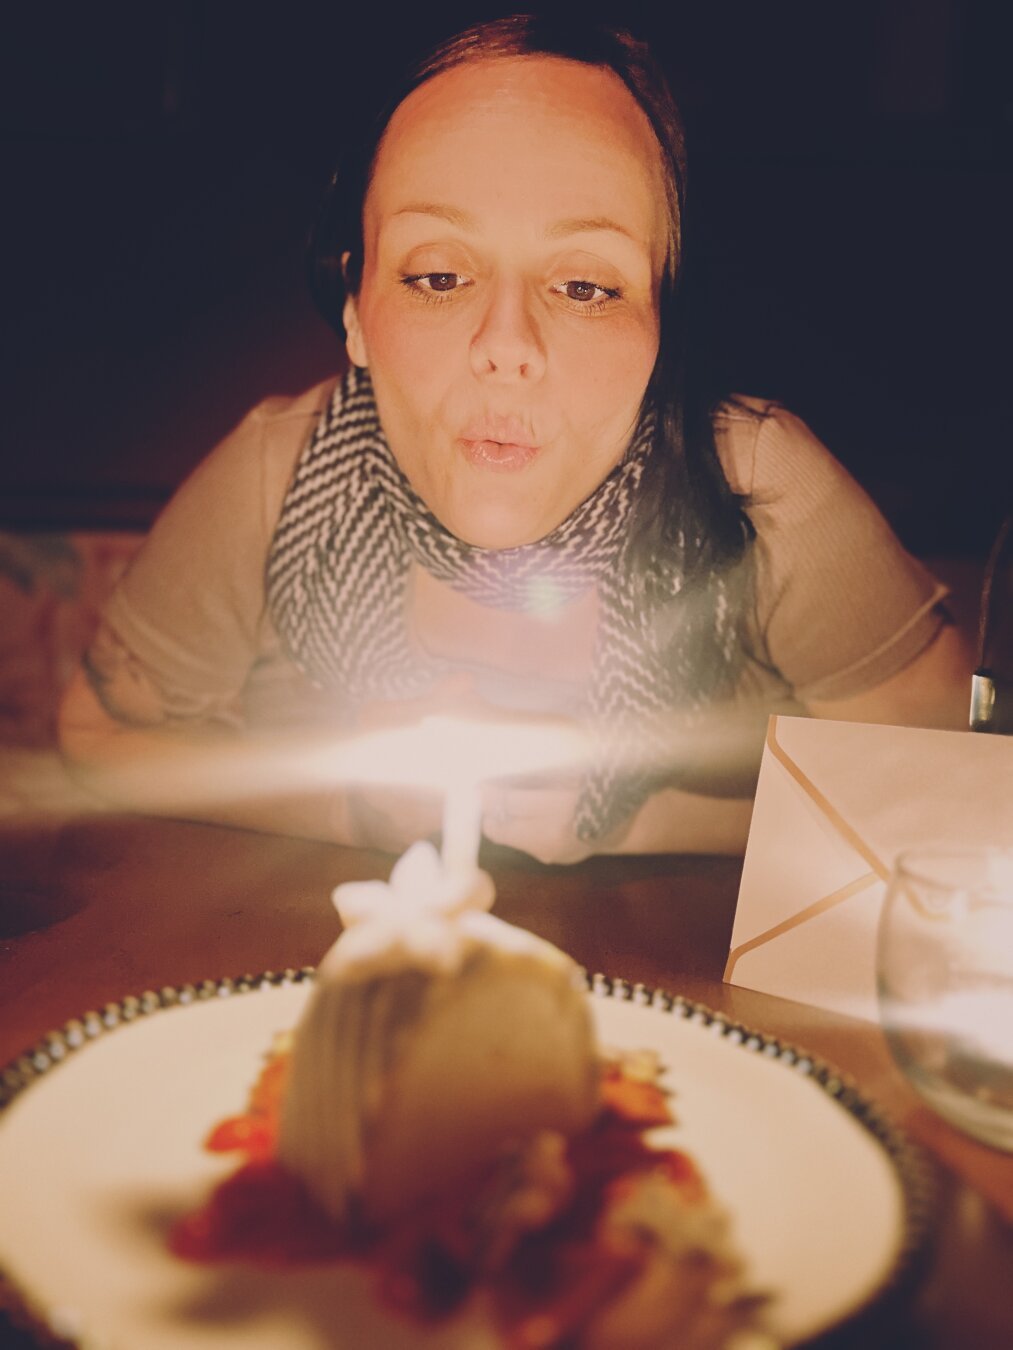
(554, 649)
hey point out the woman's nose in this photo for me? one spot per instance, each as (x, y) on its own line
(507, 344)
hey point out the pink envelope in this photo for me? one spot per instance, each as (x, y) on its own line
(835, 803)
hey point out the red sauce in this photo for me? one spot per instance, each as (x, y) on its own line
(262, 1214)
(425, 1264)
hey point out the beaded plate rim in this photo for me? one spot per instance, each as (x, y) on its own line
(914, 1171)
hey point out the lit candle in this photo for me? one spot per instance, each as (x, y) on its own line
(451, 756)
(462, 827)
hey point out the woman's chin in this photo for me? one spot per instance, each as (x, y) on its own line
(496, 531)
(498, 520)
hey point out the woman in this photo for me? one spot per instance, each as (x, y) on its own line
(520, 501)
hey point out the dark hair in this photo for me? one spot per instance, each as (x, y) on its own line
(686, 504)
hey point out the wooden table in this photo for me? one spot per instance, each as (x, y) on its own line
(91, 911)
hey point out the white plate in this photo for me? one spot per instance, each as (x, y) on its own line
(97, 1159)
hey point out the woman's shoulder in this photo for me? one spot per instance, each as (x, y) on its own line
(231, 500)
(256, 460)
(284, 421)
(280, 408)
(766, 450)
(277, 427)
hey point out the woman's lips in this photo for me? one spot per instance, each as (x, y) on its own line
(504, 456)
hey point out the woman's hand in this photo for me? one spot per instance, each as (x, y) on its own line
(537, 819)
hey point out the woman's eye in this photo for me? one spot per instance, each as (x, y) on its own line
(438, 283)
(441, 281)
(587, 292)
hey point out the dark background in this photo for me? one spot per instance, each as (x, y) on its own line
(851, 174)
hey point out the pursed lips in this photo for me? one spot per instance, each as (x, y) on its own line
(502, 443)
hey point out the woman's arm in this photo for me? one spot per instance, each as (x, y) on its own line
(212, 774)
(153, 720)
(197, 771)
(933, 690)
(275, 782)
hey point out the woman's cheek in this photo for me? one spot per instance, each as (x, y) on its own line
(613, 359)
(402, 336)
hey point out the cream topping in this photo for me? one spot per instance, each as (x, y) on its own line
(427, 918)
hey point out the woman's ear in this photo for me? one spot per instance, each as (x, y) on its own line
(354, 342)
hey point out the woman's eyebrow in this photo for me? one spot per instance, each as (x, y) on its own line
(451, 214)
(560, 229)
(586, 225)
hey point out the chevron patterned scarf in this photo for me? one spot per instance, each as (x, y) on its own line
(351, 526)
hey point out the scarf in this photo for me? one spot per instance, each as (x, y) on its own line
(351, 526)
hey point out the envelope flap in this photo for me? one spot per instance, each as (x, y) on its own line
(795, 855)
(906, 787)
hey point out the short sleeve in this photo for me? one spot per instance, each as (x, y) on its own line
(185, 625)
(839, 604)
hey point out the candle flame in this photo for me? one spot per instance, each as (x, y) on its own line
(442, 752)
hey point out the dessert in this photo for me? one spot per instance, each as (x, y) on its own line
(436, 1035)
(442, 1117)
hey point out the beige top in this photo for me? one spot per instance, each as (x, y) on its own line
(839, 606)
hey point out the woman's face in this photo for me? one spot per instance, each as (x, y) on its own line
(514, 234)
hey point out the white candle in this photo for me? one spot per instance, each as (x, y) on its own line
(462, 827)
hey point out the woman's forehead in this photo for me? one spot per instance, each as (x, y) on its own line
(561, 135)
